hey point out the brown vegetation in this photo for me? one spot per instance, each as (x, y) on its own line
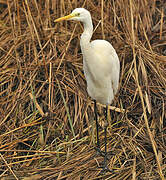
(46, 117)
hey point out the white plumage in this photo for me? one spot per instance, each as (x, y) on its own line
(101, 71)
(101, 67)
(100, 61)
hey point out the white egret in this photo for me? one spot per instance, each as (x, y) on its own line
(101, 68)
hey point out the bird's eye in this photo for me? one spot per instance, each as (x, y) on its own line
(78, 14)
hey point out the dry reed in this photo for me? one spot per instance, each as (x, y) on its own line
(46, 117)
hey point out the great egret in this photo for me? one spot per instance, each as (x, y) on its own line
(101, 68)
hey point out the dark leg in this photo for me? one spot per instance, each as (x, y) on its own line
(105, 137)
(98, 149)
(97, 126)
(105, 167)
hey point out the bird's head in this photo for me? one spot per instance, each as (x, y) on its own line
(78, 14)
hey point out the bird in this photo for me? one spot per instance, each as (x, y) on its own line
(101, 68)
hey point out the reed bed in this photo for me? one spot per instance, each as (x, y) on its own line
(47, 128)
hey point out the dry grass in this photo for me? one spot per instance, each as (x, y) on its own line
(46, 117)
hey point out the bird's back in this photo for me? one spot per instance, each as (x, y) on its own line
(101, 68)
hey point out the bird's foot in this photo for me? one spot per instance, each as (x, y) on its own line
(102, 153)
(105, 169)
(99, 151)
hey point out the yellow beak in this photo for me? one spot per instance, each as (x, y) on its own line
(64, 18)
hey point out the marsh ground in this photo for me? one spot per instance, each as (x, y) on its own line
(43, 91)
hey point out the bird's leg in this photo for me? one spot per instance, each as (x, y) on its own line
(98, 149)
(105, 136)
(105, 167)
(97, 126)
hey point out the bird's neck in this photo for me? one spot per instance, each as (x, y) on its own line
(86, 35)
